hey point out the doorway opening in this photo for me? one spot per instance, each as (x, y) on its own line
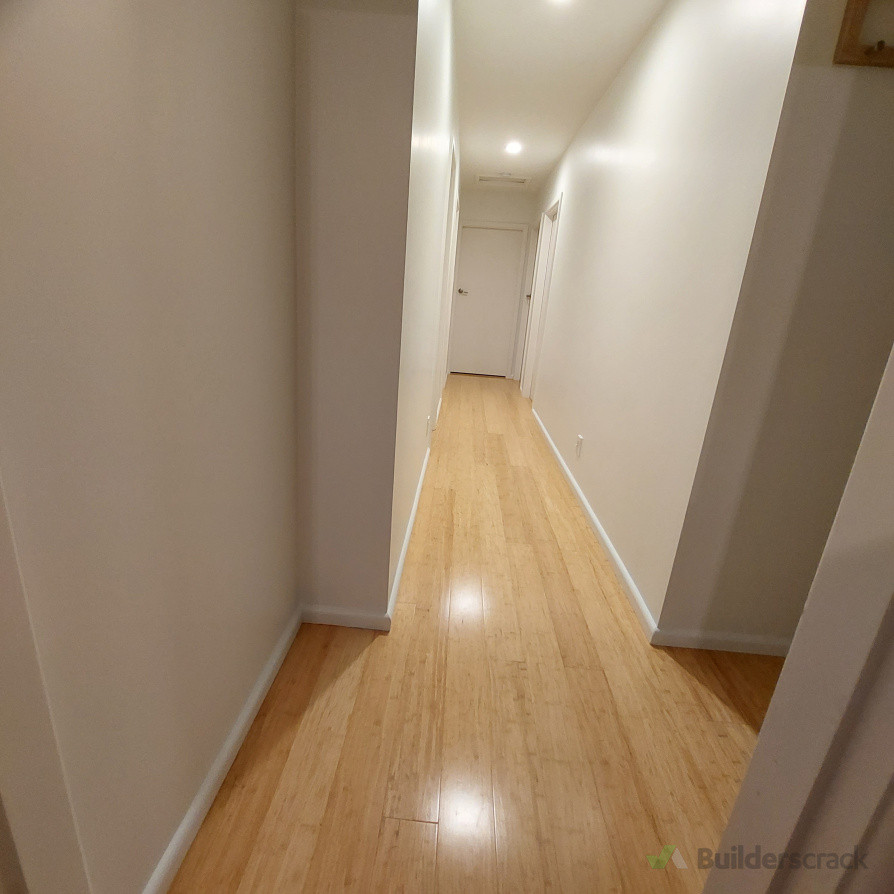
(543, 268)
(448, 273)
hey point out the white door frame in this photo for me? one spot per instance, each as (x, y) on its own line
(539, 299)
(448, 276)
(820, 776)
(523, 228)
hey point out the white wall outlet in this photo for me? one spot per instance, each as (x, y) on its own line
(580, 444)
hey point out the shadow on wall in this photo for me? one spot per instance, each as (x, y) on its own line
(781, 441)
(834, 356)
(303, 316)
(826, 795)
(11, 879)
(354, 106)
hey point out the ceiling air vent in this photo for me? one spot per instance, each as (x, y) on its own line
(503, 180)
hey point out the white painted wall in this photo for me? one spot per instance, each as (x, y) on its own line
(429, 203)
(661, 192)
(355, 69)
(500, 203)
(147, 389)
(808, 346)
(508, 205)
(823, 762)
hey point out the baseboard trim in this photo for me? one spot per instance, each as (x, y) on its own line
(398, 573)
(347, 617)
(647, 622)
(689, 639)
(721, 642)
(170, 861)
(344, 617)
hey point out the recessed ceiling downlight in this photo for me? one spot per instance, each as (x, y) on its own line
(513, 147)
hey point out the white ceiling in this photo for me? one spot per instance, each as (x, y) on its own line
(531, 70)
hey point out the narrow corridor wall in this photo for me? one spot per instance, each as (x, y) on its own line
(433, 141)
(820, 776)
(661, 190)
(354, 76)
(812, 332)
(147, 394)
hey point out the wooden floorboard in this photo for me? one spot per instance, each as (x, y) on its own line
(514, 732)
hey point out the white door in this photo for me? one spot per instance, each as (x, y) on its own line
(485, 299)
(540, 264)
(543, 269)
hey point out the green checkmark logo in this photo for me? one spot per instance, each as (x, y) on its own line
(660, 861)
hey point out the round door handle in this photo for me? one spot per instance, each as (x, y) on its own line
(462, 292)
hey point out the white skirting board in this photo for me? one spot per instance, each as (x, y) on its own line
(170, 861)
(722, 642)
(633, 594)
(346, 617)
(398, 572)
(689, 639)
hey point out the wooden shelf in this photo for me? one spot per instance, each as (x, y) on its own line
(851, 50)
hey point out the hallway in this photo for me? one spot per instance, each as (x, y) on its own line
(513, 732)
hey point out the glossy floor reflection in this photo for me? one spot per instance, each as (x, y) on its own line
(514, 732)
